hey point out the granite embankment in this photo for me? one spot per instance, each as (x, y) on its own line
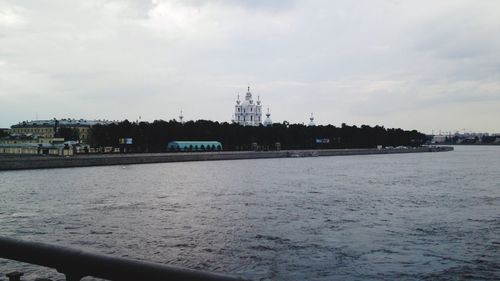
(43, 162)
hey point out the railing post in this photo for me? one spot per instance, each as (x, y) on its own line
(14, 276)
(76, 264)
(73, 277)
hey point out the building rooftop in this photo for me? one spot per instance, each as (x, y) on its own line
(60, 122)
(194, 145)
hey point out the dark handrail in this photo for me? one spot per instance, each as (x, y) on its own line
(76, 264)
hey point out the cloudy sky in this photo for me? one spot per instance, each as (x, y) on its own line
(425, 65)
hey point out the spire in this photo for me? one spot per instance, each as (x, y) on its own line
(181, 118)
(311, 123)
(238, 99)
(268, 121)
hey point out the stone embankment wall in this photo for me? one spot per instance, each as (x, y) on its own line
(42, 162)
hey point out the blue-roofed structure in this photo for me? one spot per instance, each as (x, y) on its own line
(194, 146)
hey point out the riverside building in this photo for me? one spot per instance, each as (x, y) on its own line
(49, 128)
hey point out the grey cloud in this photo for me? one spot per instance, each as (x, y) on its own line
(359, 62)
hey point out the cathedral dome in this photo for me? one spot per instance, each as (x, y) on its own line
(245, 103)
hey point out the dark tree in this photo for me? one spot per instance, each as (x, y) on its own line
(69, 134)
(3, 133)
(488, 139)
(153, 137)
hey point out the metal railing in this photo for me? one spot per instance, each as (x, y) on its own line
(76, 264)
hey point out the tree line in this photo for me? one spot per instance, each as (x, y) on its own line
(3, 133)
(154, 136)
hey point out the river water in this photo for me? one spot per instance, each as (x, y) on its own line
(423, 216)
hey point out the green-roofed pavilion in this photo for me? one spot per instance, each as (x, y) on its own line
(194, 146)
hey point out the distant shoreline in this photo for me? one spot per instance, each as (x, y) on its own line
(474, 144)
(10, 162)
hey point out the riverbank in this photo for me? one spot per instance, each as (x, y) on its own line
(44, 162)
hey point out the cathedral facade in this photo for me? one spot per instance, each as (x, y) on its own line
(248, 112)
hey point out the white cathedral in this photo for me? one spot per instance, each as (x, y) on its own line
(248, 113)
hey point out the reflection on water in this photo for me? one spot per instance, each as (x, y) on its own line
(410, 216)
